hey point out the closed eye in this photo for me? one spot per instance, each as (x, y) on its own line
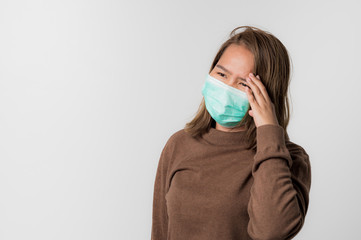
(221, 74)
(243, 84)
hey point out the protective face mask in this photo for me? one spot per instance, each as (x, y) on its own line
(227, 105)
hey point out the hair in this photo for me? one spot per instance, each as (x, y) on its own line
(271, 63)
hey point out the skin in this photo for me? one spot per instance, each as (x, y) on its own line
(235, 69)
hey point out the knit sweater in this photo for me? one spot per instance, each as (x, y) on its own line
(213, 188)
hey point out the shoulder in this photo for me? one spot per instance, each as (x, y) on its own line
(180, 142)
(300, 160)
(177, 137)
(175, 146)
(296, 150)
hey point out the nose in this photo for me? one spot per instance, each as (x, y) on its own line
(232, 81)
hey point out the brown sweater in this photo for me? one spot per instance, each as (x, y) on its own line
(215, 189)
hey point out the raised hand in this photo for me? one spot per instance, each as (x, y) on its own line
(263, 110)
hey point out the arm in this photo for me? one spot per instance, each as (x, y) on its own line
(159, 213)
(279, 194)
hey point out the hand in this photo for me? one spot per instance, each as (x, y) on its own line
(263, 110)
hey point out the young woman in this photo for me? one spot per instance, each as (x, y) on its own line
(232, 172)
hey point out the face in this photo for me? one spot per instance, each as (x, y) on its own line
(234, 66)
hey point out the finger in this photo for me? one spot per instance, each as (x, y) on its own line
(259, 87)
(251, 99)
(257, 81)
(256, 91)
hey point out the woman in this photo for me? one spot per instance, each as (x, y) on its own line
(232, 172)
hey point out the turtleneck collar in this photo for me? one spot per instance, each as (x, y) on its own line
(218, 137)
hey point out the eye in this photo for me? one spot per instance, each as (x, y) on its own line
(221, 74)
(243, 84)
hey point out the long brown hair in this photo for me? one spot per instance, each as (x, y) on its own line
(271, 63)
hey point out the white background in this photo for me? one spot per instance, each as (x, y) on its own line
(90, 91)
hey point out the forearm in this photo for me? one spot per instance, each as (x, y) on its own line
(274, 209)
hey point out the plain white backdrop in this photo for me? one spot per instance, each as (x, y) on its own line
(90, 91)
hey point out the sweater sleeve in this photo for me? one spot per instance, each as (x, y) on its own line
(159, 214)
(279, 195)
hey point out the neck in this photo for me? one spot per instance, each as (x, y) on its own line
(225, 129)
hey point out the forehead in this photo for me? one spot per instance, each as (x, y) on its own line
(238, 59)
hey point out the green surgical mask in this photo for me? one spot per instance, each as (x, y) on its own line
(226, 105)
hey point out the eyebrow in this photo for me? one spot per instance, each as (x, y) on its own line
(226, 70)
